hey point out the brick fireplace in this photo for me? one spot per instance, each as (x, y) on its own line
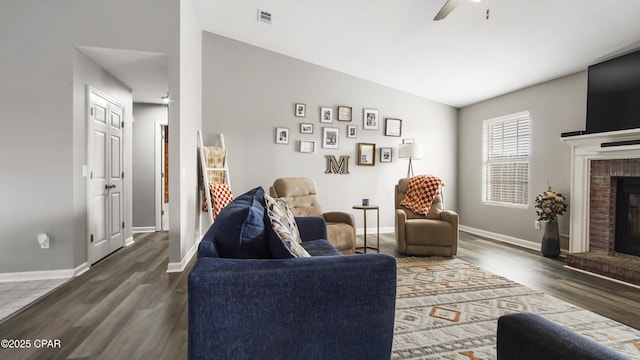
(598, 162)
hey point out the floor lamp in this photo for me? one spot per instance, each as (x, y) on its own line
(411, 152)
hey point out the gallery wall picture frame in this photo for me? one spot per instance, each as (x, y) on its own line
(370, 119)
(307, 146)
(408, 141)
(282, 135)
(300, 110)
(344, 113)
(306, 128)
(326, 114)
(366, 154)
(352, 131)
(385, 154)
(330, 138)
(392, 127)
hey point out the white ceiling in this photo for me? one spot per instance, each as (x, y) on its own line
(460, 60)
(146, 73)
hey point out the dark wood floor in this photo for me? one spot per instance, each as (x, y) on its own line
(127, 306)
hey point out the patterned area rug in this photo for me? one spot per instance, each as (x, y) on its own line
(448, 309)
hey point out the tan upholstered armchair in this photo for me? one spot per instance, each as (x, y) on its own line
(434, 234)
(301, 195)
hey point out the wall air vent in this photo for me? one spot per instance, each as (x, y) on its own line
(265, 16)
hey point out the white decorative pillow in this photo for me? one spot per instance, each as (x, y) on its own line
(284, 224)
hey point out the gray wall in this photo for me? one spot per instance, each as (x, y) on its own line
(248, 92)
(555, 107)
(44, 130)
(185, 120)
(147, 119)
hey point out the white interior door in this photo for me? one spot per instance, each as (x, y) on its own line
(105, 176)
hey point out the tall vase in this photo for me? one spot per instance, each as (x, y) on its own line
(551, 240)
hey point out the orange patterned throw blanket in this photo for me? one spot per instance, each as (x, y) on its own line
(421, 191)
(221, 196)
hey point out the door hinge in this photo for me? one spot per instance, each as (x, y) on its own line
(91, 237)
(161, 212)
(92, 110)
(123, 224)
(122, 124)
(123, 175)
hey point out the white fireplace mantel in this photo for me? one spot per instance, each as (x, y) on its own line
(585, 148)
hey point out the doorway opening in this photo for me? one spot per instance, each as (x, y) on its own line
(164, 195)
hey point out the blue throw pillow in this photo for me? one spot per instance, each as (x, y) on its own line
(239, 230)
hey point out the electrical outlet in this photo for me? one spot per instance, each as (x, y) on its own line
(536, 224)
(43, 240)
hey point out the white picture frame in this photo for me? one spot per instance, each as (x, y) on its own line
(352, 131)
(386, 154)
(306, 128)
(282, 135)
(326, 114)
(307, 146)
(300, 110)
(330, 138)
(370, 119)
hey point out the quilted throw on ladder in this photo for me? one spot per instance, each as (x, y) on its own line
(221, 196)
(215, 158)
(421, 191)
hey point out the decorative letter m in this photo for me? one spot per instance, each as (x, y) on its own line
(335, 167)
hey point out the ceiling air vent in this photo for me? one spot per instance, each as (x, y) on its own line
(265, 16)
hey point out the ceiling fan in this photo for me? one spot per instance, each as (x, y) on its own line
(450, 5)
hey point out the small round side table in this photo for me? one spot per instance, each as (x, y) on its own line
(366, 208)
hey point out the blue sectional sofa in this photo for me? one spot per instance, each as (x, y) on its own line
(248, 302)
(527, 336)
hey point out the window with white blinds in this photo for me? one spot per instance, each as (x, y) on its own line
(505, 160)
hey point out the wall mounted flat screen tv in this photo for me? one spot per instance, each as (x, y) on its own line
(613, 94)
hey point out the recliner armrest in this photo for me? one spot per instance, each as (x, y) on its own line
(341, 217)
(450, 217)
(292, 308)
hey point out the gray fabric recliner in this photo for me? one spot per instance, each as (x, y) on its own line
(300, 193)
(435, 234)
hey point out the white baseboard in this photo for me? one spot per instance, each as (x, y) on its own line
(129, 241)
(500, 237)
(84, 267)
(143, 229)
(531, 245)
(45, 274)
(180, 266)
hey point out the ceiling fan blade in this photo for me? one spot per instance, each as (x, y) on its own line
(448, 7)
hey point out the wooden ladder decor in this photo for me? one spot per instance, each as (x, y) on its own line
(214, 176)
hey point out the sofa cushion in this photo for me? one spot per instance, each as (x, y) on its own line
(239, 228)
(284, 225)
(207, 246)
(320, 247)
